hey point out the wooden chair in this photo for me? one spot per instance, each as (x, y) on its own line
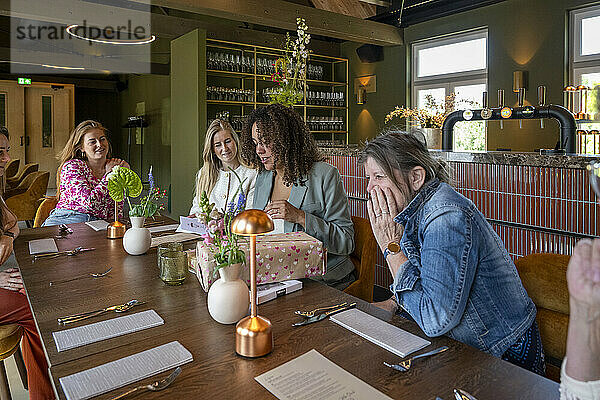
(27, 169)
(44, 210)
(363, 257)
(544, 276)
(10, 338)
(12, 168)
(25, 205)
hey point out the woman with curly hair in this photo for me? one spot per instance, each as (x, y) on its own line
(296, 188)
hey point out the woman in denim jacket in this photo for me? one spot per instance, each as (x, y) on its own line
(451, 271)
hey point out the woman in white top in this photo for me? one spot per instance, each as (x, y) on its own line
(221, 156)
(580, 374)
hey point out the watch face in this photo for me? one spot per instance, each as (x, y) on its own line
(506, 112)
(393, 247)
(467, 115)
(486, 113)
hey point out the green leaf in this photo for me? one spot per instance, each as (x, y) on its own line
(123, 180)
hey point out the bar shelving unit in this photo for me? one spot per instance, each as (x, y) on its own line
(239, 66)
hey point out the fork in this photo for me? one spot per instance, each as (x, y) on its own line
(155, 386)
(405, 365)
(93, 275)
(308, 314)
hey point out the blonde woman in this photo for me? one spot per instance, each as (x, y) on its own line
(81, 178)
(221, 156)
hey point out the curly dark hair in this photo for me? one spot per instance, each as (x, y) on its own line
(285, 133)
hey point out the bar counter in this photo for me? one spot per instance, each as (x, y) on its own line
(536, 203)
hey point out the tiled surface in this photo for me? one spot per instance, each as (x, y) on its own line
(537, 197)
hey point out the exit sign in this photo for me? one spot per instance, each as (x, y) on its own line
(24, 81)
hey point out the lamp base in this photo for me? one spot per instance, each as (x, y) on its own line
(115, 230)
(253, 336)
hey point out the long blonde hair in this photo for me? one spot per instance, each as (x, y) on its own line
(74, 146)
(209, 173)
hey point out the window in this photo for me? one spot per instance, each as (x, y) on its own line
(453, 65)
(585, 70)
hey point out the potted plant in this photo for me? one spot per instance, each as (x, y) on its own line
(290, 70)
(228, 297)
(428, 119)
(124, 183)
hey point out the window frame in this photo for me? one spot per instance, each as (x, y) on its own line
(451, 80)
(443, 41)
(575, 18)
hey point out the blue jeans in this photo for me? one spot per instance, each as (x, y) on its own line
(63, 216)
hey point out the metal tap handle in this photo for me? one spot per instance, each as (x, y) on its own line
(501, 104)
(542, 95)
(485, 100)
(500, 98)
(521, 97)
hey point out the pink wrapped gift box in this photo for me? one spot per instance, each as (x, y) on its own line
(279, 257)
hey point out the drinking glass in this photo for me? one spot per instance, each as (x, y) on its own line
(167, 247)
(173, 267)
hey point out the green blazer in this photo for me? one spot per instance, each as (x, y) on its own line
(325, 204)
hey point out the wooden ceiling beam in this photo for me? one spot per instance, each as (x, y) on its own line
(353, 8)
(281, 14)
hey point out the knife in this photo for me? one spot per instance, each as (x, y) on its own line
(460, 394)
(324, 315)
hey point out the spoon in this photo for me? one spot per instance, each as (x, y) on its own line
(155, 386)
(93, 275)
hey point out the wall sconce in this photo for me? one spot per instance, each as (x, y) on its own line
(361, 95)
(519, 80)
(364, 85)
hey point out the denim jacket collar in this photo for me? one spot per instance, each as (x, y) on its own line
(422, 196)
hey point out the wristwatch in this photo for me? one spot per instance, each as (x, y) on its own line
(392, 248)
(9, 234)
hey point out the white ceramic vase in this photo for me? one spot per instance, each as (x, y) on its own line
(228, 297)
(137, 239)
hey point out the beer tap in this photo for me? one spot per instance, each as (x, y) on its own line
(501, 104)
(486, 112)
(521, 102)
(541, 101)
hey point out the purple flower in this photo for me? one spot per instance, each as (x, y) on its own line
(241, 203)
(151, 179)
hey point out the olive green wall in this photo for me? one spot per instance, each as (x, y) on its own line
(154, 92)
(523, 35)
(188, 115)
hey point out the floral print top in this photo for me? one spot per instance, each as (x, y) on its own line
(81, 191)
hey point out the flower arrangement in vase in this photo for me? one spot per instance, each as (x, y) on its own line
(228, 297)
(290, 70)
(124, 183)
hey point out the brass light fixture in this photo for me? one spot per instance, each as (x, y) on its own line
(361, 95)
(116, 229)
(519, 80)
(253, 334)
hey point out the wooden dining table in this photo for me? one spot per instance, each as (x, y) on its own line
(216, 371)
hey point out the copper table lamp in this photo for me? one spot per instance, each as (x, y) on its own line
(253, 334)
(116, 229)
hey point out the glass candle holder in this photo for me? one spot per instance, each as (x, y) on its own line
(173, 267)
